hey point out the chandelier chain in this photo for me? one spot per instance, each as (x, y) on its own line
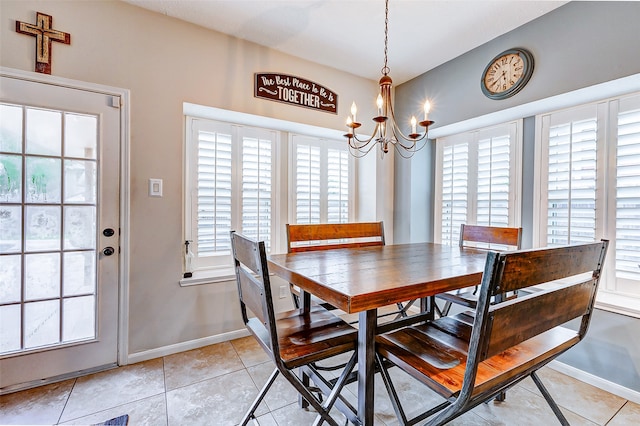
(385, 69)
(387, 134)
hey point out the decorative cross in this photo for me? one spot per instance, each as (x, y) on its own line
(44, 35)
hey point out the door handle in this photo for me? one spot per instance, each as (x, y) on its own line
(108, 251)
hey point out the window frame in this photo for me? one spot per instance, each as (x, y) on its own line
(282, 198)
(472, 137)
(221, 264)
(606, 114)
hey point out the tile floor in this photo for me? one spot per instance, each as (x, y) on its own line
(214, 385)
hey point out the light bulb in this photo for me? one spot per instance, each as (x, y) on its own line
(427, 108)
(354, 109)
(413, 124)
(379, 103)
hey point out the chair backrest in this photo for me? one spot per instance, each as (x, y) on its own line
(491, 235)
(254, 290)
(325, 236)
(498, 327)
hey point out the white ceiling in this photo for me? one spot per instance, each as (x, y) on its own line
(349, 34)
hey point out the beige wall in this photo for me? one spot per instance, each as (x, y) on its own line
(165, 62)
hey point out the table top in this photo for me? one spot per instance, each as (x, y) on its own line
(359, 279)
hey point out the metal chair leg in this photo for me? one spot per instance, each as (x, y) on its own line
(550, 401)
(256, 402)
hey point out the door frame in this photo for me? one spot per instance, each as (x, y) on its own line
(122, 96)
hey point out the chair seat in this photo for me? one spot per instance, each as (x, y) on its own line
(438, 358)
(308, 338)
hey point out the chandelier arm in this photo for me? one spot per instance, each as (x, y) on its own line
(370, 138)
(359, 152)
(408, 153)
(357, 146)
(396, 129)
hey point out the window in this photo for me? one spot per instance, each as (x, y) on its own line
(320, 180)
(477, 180)
(230, 173)
(588, 165)
(236, 177)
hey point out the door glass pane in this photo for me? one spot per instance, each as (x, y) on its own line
(41, 323)
(79, 227)
(42, 275)
(80, 136)
(10, 128)
(10, 279)
(42, 228)
(43, 180)
(79, 273)
(43, 132)
(78, 318)
(79, 181)
(10, 229)
(10, 179)
(10, 326)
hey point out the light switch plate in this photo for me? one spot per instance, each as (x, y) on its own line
(155, 187)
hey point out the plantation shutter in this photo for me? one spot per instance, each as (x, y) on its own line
(455, 191)
(493, 181)
(214, 174)
(257, 177)
(320, 180)
(307, 183)
(627, 199)
(338, 186)
(571, 186)
(477, 176)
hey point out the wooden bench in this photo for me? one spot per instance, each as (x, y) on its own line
(470, 358)
(480, 237)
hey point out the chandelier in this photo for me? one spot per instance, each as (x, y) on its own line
(387, 131)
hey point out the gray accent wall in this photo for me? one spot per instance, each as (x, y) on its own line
(578, 45)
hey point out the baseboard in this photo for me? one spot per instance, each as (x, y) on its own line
(74, 374)
(599, 382)
(185, 346)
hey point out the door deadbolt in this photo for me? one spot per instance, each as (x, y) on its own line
(108, 232)
(108, 251)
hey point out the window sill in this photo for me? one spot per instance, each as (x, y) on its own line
(209, 277)
(620, 304)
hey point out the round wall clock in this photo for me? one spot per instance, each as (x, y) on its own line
(507, 73)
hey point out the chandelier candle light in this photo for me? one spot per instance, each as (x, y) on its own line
(387, 131)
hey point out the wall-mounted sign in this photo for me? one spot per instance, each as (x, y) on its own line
(296, 91)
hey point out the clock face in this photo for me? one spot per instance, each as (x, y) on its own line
(507, 74)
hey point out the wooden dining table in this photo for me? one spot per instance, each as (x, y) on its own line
(361, 280)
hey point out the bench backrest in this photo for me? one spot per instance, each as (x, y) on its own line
(511, 237)
(325, 236)
(500, 326)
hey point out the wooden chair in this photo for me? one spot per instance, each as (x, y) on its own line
(292, 339)
(487, 237)
(326, 236)
(470, 359)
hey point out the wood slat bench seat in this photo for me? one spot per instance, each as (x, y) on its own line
(471, 357)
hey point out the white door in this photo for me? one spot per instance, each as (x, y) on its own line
(59, 231)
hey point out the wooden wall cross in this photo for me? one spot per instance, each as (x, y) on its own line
(44, 34)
